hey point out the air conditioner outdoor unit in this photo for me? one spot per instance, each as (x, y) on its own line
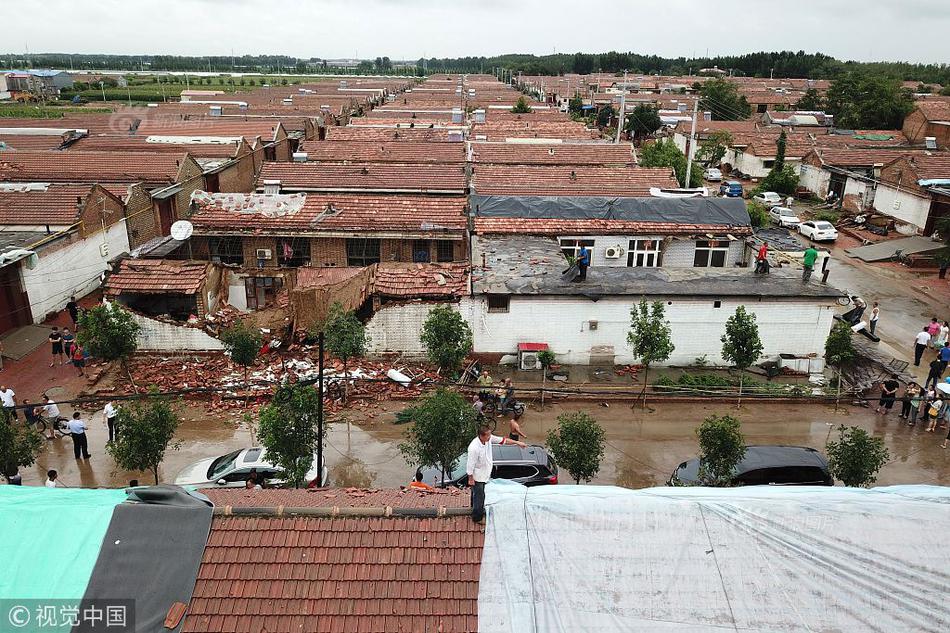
(529, 360)
(263, 253)
(613, 252)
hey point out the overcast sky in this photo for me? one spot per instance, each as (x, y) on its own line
(907, 30)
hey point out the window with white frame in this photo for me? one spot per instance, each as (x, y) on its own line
(644, 253)
(711, 253)
(571, 248)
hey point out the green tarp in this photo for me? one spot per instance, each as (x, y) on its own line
(51, 539)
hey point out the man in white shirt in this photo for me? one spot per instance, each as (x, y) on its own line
(51, 415)
(479, 467)
(77, 430)
(110, 413)
(920, 344)
(8, 400)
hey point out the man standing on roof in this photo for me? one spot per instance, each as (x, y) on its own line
(479, 467)
(583, 262)
(811, 254)
(762, 259)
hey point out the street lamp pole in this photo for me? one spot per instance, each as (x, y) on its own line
(320, 341)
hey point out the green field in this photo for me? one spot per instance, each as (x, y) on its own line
(29, 111)
(143, 89)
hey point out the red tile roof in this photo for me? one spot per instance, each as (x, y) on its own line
(313, 276)
(58, 204)
(369, 575)
(404, 280)
(336, 212)
(567, 181)
(36, 142)
(376, 134)
(553, 154)
(371, 176)
(210, 126)
(384, 152)
(501, 130)
(157, 276)
(125, 167)
(139, 144)
(549, 226)
(860, 157)
(930, 167)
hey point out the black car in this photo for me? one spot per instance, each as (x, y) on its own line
(767, 465)
(531, 466)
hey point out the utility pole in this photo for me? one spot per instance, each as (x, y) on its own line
(621, 118)
(692, 144)
(320, 340)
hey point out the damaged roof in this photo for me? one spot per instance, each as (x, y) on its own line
(228, 213)
(378, 134)
(407, 280)
(383, 152)
(124, 167)
(157, 276)
(45, 203)
(527, 265)
(603, 154)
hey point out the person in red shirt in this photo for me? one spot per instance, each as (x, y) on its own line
(762, 259)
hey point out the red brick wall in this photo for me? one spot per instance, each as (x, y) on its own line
(328, 251)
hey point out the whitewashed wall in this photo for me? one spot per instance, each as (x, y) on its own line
(793, 326)
(74, 269)
(397, 328)
(902, 204)
(167, 337)
(676, 253)
(815, 179)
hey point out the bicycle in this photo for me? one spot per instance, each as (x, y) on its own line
(60, 427)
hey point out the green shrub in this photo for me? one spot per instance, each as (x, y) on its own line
(827, 215)
(758, 214)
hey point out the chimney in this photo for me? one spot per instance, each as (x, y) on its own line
(271, 186)
(479, 116)
(456, 115)
(681, 107)
(300, 157)
(214, 110)
(707, 116)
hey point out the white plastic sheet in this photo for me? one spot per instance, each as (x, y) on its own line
(592, 558)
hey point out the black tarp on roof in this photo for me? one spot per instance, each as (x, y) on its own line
(725, 211)
(151, 554)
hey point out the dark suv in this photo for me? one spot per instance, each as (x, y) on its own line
(767, 465)
(531, 466)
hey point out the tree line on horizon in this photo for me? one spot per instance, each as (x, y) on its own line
(780, 64)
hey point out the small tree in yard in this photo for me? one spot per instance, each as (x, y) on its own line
(649, 337)
(243, 344)
(714, 147)
(447, 338)
(18, 446)
(741, 344)
(578, 444)
(856, 457)
(144, 430)
(289, 433)
(521, 106)
(443, 425)
(545, 359)
(345, 338)
(721, 448)
(839, 351)
(109, 332)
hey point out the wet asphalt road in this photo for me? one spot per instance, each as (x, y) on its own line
(643, 447)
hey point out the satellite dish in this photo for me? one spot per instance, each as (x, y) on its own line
(182, 230)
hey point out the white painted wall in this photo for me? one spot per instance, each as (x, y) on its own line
(167, 337)
(793, 326)
(902, 204)
(397, 327)
(70, 270)
(676, 253)
(815, 179)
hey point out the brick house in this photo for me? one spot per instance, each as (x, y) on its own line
(166, 287)
(58, 239)
(914, 189)
(266, 237)
(931, 119)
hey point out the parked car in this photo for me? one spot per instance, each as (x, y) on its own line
(531, 466)
(768, 198)
(233, 469)
(712, 174)
(818, 230)
(767, 466)
(785, 217)
(731, 189)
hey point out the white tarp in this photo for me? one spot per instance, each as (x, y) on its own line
(593, 558)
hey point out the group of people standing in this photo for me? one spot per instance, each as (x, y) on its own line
(935, 336)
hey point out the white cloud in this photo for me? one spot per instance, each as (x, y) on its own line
(408, 29)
